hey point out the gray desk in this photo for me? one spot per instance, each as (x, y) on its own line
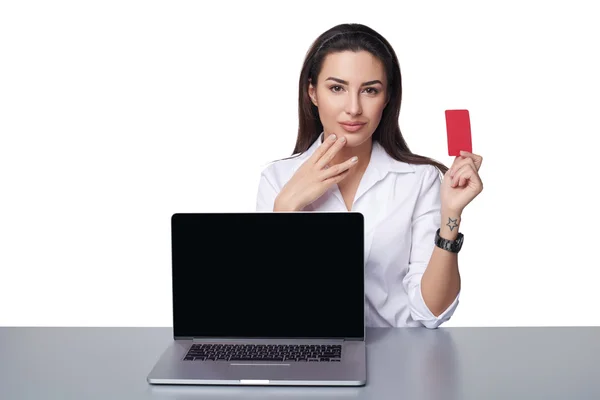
(410, 363)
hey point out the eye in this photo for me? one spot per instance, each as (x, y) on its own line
(335, 88)
(372, 90)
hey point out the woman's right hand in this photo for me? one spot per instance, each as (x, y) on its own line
(314, 176)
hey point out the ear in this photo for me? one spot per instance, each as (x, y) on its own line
(312, 93)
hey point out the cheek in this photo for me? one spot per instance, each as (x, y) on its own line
(375, 108)
(377, 105)
(329, 101)
(330, 107)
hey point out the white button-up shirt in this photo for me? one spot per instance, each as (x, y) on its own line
(400, 203)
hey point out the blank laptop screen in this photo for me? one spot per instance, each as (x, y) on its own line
(268, 275)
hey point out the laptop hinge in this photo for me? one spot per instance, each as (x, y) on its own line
(273, 340)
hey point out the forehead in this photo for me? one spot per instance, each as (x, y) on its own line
(352, 66)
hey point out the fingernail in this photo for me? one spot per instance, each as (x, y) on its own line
(332, 137)
(343, 139)
(354, 159)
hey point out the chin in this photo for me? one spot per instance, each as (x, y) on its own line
(356, 139)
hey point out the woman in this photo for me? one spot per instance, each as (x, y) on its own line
(350, 156)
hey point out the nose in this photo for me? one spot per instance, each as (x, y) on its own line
(353, 106)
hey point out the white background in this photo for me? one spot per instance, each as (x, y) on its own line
(116, 114)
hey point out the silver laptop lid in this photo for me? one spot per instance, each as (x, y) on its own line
(268, 275)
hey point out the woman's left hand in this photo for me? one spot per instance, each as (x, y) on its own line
(461, 184)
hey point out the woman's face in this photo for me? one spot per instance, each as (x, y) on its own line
(351, 94)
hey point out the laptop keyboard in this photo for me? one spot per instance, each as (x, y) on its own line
(259, 352)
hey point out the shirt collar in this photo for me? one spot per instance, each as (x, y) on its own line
(380, 159)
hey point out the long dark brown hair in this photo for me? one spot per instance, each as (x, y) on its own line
(356, 37)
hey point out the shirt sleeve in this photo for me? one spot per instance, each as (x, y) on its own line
(425, 222)
(267, 193)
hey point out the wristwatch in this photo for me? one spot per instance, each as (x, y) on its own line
(450, 245)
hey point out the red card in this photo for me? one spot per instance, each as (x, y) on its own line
(458, 128)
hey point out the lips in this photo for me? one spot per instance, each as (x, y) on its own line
(351, 123)
(352, 126)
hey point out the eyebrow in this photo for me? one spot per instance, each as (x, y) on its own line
(343, 82)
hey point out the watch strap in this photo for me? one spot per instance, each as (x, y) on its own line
(453, 246)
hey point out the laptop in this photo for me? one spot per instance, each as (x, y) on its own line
(266, 298)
